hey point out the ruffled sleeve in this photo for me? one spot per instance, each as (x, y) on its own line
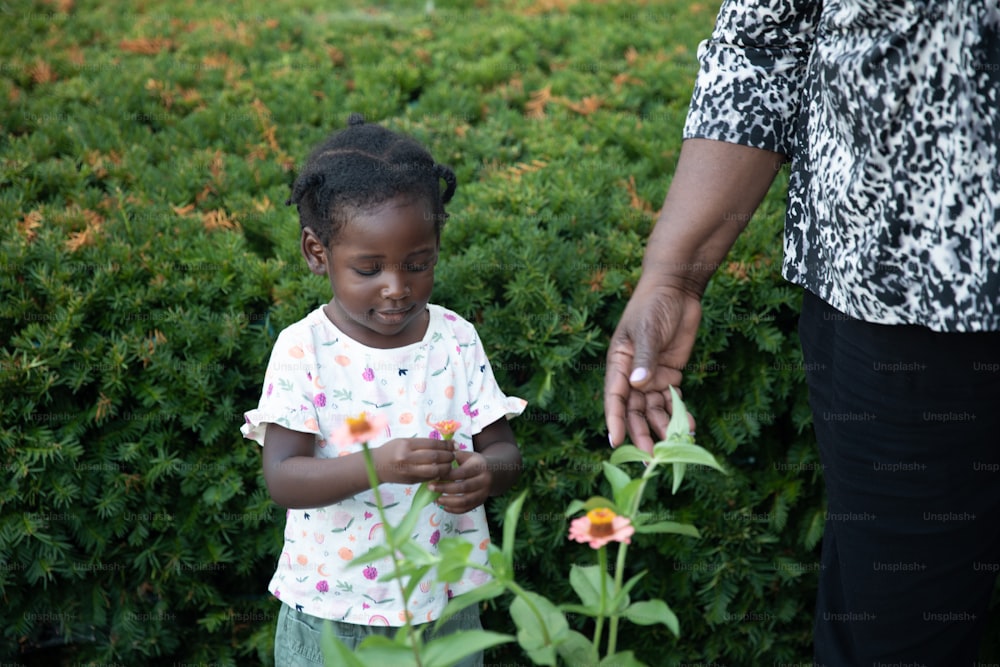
(486, 401)
(288, 397)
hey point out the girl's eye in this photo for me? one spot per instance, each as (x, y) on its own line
(366, 272)
(417, 267)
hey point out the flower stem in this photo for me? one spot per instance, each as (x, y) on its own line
(602, 562)
(373, 481)
(620, 562)
(619, 572)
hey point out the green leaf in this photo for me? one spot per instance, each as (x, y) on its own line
(679, 424)
(622, 600)
(577, 650)
(650, 612)
(415, 555)
(487, 591)
(587, 582)
(623, 659)
(671, 527)
(592, 503)
(454, 553)
(532, 628)
(678, 452)
(495, 559)
(415, 574)
(510, 519)
(629, 453)
(618, 479)
(450, 649)
(379, 650)
(814, 530)
(421, 499)
(679, 470)
(335, 652)
(375, 553)
(626, 496)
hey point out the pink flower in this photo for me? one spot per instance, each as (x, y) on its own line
(600, 526)
(447, 428)
(368, 375)
(467, 409)
(322, 586)
(434, 435)
(319, 400)
(435, 536)
(370, 572)
(359, 429)
(270, 388)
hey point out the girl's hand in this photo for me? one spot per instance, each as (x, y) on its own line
(466, 487)
(413, 460)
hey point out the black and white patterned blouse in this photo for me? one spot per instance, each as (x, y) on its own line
(890, 113)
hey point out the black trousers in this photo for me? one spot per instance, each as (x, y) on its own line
(908, 426)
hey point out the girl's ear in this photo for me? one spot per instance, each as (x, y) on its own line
(313, 251)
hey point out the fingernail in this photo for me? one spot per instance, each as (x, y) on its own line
(638, 375)
(610, 441)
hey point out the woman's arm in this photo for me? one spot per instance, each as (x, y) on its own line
(715, 190)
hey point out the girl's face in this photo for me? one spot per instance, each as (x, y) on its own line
(381, 269)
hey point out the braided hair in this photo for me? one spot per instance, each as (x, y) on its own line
(360, 167)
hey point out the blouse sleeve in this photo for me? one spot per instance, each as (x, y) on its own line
(486, 401)
(287, 398)
(752, 73)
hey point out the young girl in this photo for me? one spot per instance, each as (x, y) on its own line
(371, 210)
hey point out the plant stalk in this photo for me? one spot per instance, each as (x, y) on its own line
(620, 561)
(373, 481)
(602, 562)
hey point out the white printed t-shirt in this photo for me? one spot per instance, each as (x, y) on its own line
(316, 378)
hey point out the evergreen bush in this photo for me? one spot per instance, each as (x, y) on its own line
(147, 264)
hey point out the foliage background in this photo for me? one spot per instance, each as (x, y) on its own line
(147, 262)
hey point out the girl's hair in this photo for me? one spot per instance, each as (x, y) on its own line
(360, 167)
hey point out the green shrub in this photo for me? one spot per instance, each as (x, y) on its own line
(146, 155)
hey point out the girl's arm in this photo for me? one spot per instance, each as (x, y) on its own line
(503, 459)
(298, 480)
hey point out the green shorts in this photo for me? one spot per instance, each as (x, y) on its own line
(297, 639)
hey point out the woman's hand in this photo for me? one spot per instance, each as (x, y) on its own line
(647, 355)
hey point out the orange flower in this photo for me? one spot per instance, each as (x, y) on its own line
(362, 428)
(600, 526)
(447, 428)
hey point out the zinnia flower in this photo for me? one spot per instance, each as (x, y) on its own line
(600, 526)
(447, 428)
(362, 428)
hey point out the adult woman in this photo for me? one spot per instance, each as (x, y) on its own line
(888, 112)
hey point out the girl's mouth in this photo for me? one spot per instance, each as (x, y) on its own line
(394, 316)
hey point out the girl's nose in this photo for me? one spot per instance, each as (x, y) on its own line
(395, 287)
